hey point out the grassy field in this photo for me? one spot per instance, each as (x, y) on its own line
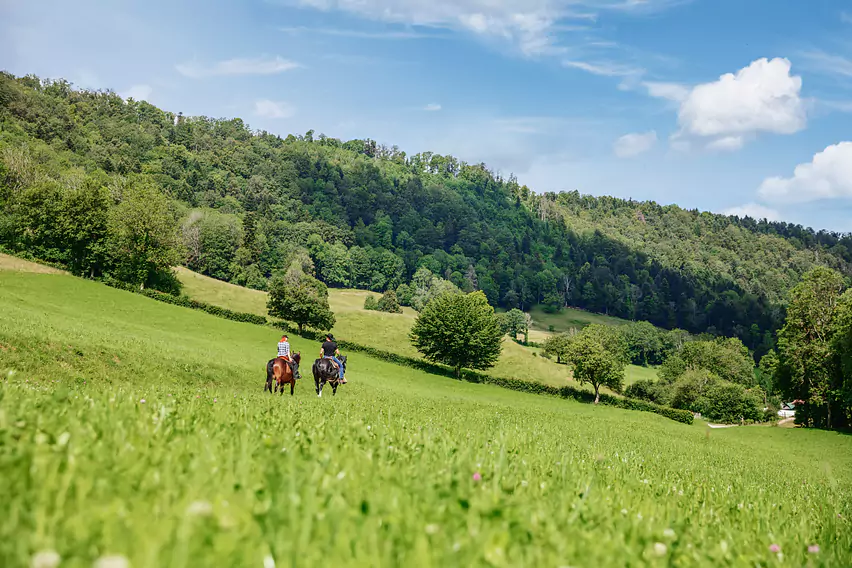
(130, 427)
(388, 331)
(569, 318)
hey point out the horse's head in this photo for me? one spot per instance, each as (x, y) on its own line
(343, 359)
(297, 357)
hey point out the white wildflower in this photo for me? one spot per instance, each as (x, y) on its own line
(115, 561)
(46, 559)
(432, 529)
(660, 549)
(268, 561)
(669, 533)
(63, 438)
(199, 509)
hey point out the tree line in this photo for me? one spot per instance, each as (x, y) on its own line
(77, 168)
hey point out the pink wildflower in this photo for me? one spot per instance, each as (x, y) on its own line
(774, 548)
(813, 549)
(214, 400)
(142, 401)
(477, 476)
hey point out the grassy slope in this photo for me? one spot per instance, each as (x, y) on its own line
(387, 465)
(387, 331)
(569, 318)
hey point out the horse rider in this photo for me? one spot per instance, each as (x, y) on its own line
(284, 353)
(329, 350)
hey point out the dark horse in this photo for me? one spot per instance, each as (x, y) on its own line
(280, 372)
(326, 372)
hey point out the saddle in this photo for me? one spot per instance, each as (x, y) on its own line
(333, 362)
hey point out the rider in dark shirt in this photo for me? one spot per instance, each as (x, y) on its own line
(330, 350)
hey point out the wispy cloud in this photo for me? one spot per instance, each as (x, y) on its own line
(604, 68)
(671, 91)
(273, 109)
(238, 66)
(432, 107)
(533, 26)
(360, 34)
(137, 93)
(753, 210)
(631, 145)
(828, 63)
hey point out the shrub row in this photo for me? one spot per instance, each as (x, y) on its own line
(186, 302)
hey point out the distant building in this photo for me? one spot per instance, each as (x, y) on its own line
(788, 410)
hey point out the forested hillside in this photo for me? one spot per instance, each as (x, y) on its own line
(122, 188)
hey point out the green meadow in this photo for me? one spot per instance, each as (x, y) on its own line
(133, 428)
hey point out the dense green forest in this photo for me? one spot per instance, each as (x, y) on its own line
(121, 188)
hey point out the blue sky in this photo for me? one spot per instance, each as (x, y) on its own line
(722, 105)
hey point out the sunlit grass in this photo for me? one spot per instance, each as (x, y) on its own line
(209, 471)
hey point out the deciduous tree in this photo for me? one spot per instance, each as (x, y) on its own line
(460, 330)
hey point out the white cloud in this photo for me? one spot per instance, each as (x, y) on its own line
(238, 66)
(762, 97)
(272, 109)
(671, 91)
(753, 210)
(634, 144)
(432, 107)
(137, 93)
(828, 175)
(532, 25)
(727, 144)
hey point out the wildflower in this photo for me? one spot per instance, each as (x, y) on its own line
(624, 511)
(477, 476)
(432, 529)
(214, 400)
(669, 533)
(268, 561)
(724, 546)
(199, 509)
(660, 549)
(112, 562)
(142, 401)
(63, 438)
(774, 548)
(813, 549)
(46, 559)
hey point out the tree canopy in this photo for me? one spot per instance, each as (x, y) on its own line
(372, 216)
(459, 330)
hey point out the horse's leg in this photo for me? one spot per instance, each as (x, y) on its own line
(292, 386)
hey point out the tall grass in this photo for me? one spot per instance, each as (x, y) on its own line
(136, 428)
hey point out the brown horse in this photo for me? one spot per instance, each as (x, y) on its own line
(280, 372)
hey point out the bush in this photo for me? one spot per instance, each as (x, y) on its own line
(388, 303)
(370, 303)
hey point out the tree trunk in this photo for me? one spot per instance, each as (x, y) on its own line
(597, 394)
(458, 372)
(301, 326)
